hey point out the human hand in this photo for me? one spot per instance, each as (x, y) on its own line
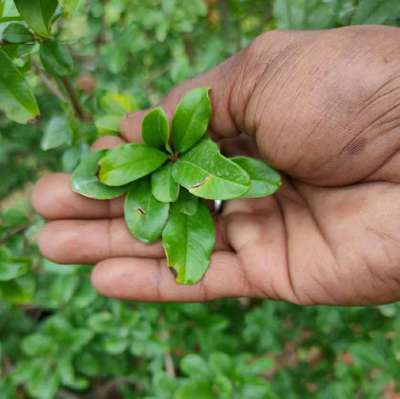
(324, 108)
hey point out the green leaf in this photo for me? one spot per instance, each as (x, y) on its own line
(187, 203)
(4, 20)
(260, 366)
(305, 14)
(37, 14)
(56, 58)
(72, 156)
(195, 389)
(188, 242)
(56, 133)
(194, 365)
(375, 12)
(191, 119)
(44, 383)
(16, 97)
(67, 373)
(69, 6)
(38, 344)
(206, 173)
(17, 33)
(263, 179)
(18, 291)
(85, 181)
(117, 103)
(144, 215)
(163, 185)
(107, 124)
(220, 363)
(155, 129)
(129, 162)
(12, 267)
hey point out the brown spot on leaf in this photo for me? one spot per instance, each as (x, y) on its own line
(201, 183)
(141, 211)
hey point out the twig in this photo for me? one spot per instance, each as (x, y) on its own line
(169, 365)
(48, 82)
(79, 111)
(168, 360)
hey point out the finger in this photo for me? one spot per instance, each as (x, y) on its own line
(53, 198)
(131, 126)
(150, 280)
(240, 145)
(88, 242)
(106, 142)
(91, 241)
(226, 82)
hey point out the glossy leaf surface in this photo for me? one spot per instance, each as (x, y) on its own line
(188, 242)
(191, 119)
(85, 181)
(57, 133)
(37, 14)
(16, 97)
(56, 58)
(144, 214)
(17, 34)
(206, 173)
(129, 162)
(187, 202)
(263, 179)
(163, 185)
(155, 129)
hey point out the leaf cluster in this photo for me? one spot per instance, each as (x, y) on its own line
(164, 177)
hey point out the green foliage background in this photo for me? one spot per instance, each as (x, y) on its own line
(58, 338)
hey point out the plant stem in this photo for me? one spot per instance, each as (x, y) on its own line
(73, 99)
(48, 82)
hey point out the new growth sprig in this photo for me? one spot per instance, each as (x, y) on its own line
(166, 179)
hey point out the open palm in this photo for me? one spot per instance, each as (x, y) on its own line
(324, 108)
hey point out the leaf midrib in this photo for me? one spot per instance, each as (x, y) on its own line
(192, 118)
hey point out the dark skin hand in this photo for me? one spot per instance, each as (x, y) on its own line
(322, 107)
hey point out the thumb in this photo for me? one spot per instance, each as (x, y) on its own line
(227, 95)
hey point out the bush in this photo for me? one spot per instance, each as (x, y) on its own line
(87, 63)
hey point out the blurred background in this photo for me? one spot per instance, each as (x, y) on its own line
(58, 338)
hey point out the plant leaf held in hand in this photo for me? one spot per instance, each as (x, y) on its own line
(85, 181)
(163, 185)
(191, 119)
(187, 202)
(155, 129)
(129, 162)
(206, 173)
(144, 214)
(188, 242)
(263, 179)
